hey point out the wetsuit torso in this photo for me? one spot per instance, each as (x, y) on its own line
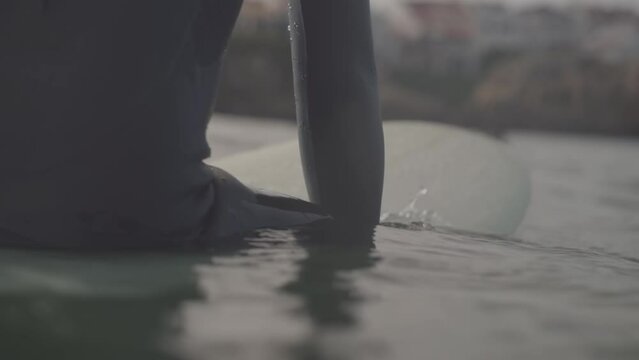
(103, 110)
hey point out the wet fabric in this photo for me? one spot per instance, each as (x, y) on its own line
(103, 112)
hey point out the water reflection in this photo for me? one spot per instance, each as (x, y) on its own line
(92, 306)
(325, 286)
(327, 293)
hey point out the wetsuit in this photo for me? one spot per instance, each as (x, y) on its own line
(103, 112)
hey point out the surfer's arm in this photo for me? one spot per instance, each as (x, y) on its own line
(341, 137)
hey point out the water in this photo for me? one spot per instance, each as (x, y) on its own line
(566, 286)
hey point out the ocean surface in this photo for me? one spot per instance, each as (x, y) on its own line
(565, 286)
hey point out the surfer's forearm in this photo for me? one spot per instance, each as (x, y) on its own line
(337, 104)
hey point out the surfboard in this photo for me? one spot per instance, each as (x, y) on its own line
(436, 174)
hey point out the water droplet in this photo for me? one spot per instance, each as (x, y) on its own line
(412, 217)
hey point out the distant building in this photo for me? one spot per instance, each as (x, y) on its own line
(495, 29)
(547, 28)
(393, 28)
(596, 17)
(614, 43)
(439, 20)
(444, 41)
(456, 37)
(610, 36)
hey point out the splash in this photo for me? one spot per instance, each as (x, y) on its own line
(413, 217)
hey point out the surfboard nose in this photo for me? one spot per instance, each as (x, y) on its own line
(239, 210)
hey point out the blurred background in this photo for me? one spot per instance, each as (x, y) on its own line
(551, 65)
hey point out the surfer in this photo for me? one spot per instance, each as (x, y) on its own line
(103, 112)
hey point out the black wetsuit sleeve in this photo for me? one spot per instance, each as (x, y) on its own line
(341, 137)
(212, 28)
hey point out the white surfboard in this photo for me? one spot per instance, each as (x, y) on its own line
(467, 180)
(438, 174)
